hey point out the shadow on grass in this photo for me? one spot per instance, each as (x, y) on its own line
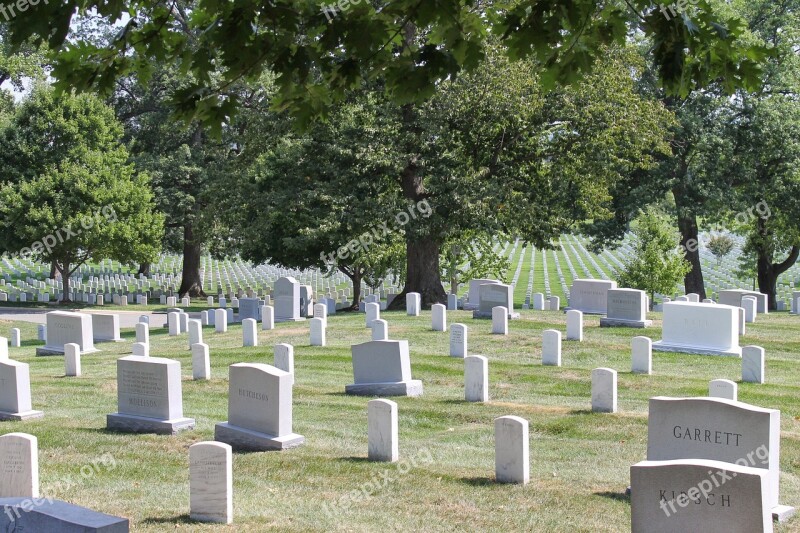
(29, 343)
(178, 519)
(356, 460)
(583, 412)
(479, 481)
(618, 496)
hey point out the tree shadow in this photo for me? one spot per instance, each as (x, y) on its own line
(178, 519)
(617, 496)
(479, 481)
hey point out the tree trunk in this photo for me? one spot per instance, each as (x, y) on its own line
(422, 273)
(191, 283)
(355, 276)
(144, 268)
(53, 270)
(690, 241)
(64, 270)
(768, 273)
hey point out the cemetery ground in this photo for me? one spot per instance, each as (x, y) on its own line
(444, 480)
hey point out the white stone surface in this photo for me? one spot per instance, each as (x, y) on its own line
(64, 327)
(267, 317)
(753, 363)
(174, 323)
(438, 317)
(641, 355)
(140, 349)
(201, 362)
(72, 360)
(105, 327)
(382, 432)
(551, 347)
(574, 325)
(287, 300)
(413, 303)
(15, 391)
(284, 359)
(749, 304)
(698, 496)
(538, 301)
(723, 388)
(16, 338)
(211, 482)
(459, 341)
(590, 296)
(249, 332)
(373, 313)
(317, 331)
(476, 378)
(19, 467)
(220, 320)
(604, 390)
(149, 387)
(495, 295)
(380, 330)
(499, 320)
(195, 332)
(554, 303)
(142, 333)
(700, 328)
(511, 450)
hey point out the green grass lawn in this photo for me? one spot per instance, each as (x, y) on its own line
(579, 461)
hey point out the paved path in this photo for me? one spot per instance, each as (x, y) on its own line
(127, 319)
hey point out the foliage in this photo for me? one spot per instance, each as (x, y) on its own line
(657, 264)
(472, 256)
(318, 57)
(73, 195)
(720, 245)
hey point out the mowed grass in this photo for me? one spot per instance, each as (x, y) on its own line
(579, 460)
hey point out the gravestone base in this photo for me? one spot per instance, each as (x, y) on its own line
(660, 346)
(119, 339)
(248, 440)
(470, 307)
(401, 388)
(23, 514)
(622, 323)
(782, 513)
(45, 350)
(596, 313)
(25, 415)
(279, 320)
(143, 424)
(488, 314)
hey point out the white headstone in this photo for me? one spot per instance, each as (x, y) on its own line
(317, 332)
(554, 303)
(211, 482)
(195, 332)
(15, 392)
(284, 358)
(707, 329)
(626, 308)
(698, 495)
(642, 355)
(3, 349)
(287, 300)
(259, 409)
(538, 301)
(452, 302)
(201, 362)
(413, 303)
(382, 431)
(19, 467)
(141, 349)
(64, 327)
(753, 364)
(604, 390)
(495, 295)
(458, 340)
(149, 396)
(438, 317)
(373, 313)
(174, 323)
(16, 338)
(749, 304)
(574, 325)
(72, 360)
(249, 332)
(267, 317)
(321, 311)
(220, 320)
(142, 333)
(590, 296)
(41, 331)
(476, 378)
(474, 295)
(723, 388)
(511, 450)
(499, 320)
(551, 347)
(380, 330)
(733, 297)
(382, 368)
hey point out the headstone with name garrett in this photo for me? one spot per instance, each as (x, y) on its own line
(719, 430)
(474, 294)
(149, 397)
(495, 295)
